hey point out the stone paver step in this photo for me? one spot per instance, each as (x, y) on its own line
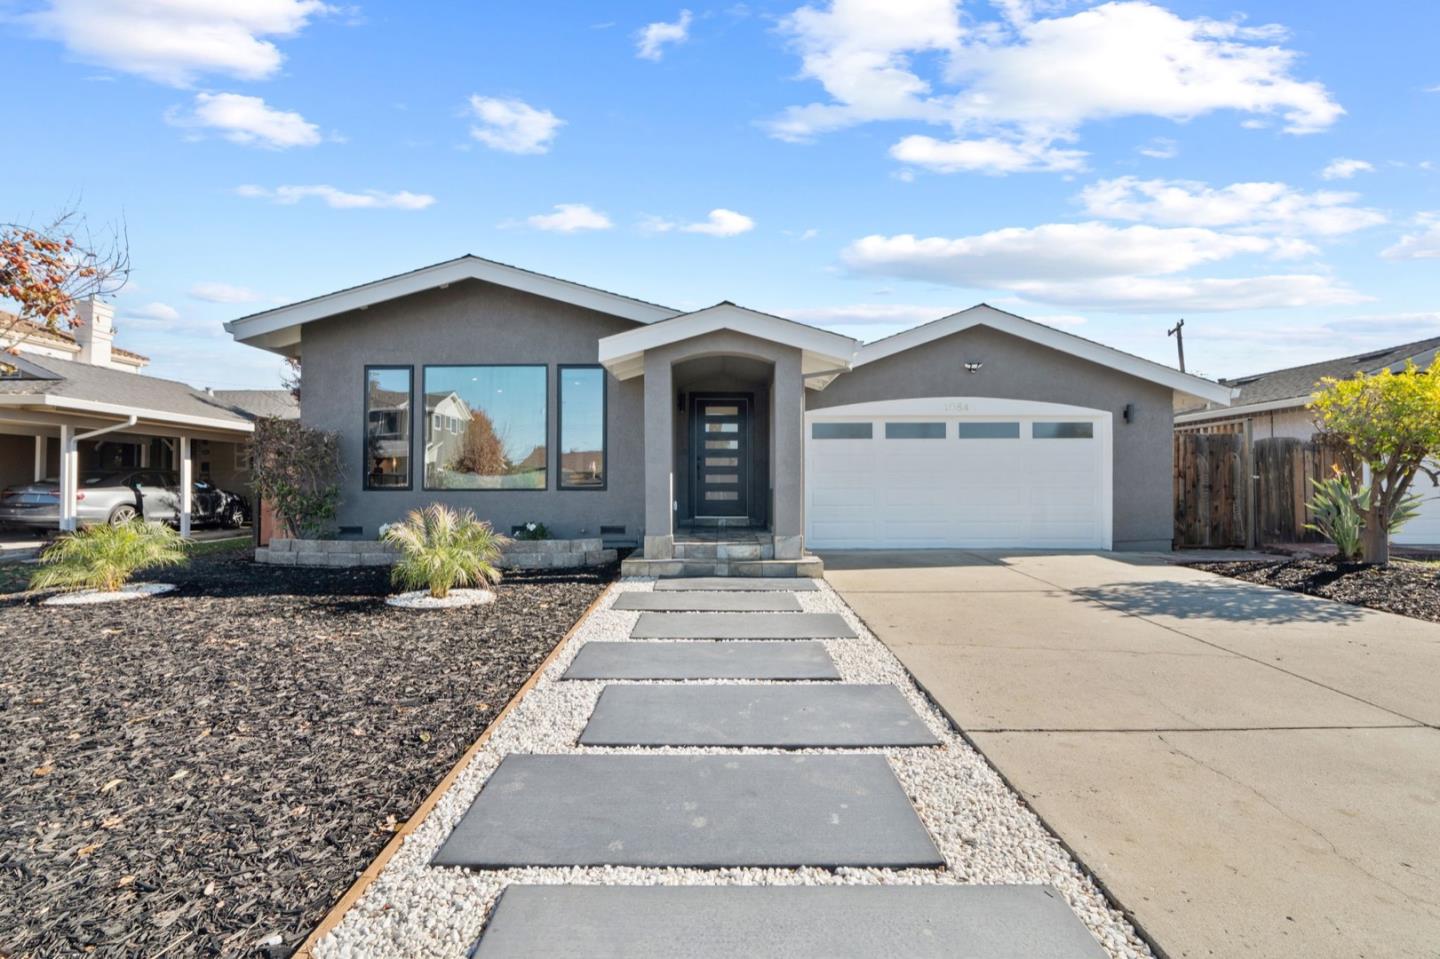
(709, 583)
(788, 717)
(717, 601)
(784, 922)
(741, 626)
(699, 659)
(702, 811)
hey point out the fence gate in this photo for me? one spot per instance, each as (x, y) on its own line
(1212, 490)
(1285, 468)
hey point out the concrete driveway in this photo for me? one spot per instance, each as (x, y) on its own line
(1251, 772)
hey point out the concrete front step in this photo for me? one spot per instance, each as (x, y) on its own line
(741, 626)
(702, 811)
(724, 552)
(806, 566)
(784, 922)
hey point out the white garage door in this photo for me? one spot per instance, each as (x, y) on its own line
(958, 472)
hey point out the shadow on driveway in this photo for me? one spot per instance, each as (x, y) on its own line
(1221, 601)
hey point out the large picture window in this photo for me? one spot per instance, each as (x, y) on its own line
(388, 392)
(485, 427)
(582, 427)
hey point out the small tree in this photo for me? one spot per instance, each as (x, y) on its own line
(297, 470)
(45, 270)
(1386, 422)
(441, 549)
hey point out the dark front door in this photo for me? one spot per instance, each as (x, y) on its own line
(722, 457)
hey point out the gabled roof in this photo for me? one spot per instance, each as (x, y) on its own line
(823, 354)
(279, 329)
(82, 388)
(28, 331)
(1293, 387)
(1078, 346)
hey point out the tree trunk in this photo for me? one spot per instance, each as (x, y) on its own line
(1377, 536)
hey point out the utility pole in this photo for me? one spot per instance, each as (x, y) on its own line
(1178, 331)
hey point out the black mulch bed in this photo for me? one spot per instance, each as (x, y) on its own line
(199, 773)
(1403, 587)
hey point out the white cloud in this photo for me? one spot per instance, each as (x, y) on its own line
(992, 155)
(570, 218)
(513, 126)
(1421, 245)
(720, 222)
(175, 41)
(248, 120)
(1343, 168)
(1100, 265)
(1251, 207)
(651, 40)
(162, 312)
(1036, 81)
(1160, 148)
(339, 199)
(212, 292)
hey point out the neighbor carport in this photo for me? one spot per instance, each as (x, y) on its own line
(1248, 771)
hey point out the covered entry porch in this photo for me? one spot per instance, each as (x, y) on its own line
(724, 401)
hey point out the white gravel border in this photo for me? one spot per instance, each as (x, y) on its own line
(89, 597)
(983, 830)
(455, 599)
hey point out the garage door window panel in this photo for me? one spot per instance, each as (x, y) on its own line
(914, 431)
(842, 431)
(1042, 430)
(989, 431)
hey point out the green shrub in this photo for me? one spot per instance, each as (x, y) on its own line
(442, 549)
(1340, 512)
(105, 557)
(532, 531)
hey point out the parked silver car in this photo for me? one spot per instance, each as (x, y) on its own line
(116, 497)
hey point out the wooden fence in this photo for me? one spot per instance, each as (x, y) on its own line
(1230, 491)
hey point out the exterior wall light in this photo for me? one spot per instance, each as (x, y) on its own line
(1129, 412)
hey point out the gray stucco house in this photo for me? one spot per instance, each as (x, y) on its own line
(540, 399)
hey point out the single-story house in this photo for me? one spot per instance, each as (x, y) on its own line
(73, 404)
(605, 415)
(1275, 405)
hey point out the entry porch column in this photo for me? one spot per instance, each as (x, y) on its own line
(787, 429)
(659, 458)
(187, 483)
(69, 483)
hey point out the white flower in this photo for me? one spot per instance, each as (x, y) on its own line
(383, 528)
(530, 527)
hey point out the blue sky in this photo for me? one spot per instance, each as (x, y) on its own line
(861, 165)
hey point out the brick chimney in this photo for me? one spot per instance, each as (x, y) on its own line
(94, 331)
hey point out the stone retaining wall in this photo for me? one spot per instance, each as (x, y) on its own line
(520, 554)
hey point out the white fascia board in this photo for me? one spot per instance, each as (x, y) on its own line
(623, 353)
(248, 328)
(116, 409)
(1237, 412)
(1043, 335)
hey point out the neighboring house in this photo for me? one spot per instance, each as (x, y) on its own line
(446, 427)
(623, 417)
(1274, 406)
(77, 404)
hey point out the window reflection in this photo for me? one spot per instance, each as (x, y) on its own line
(582, 427)
(387, 427)
(485, 427)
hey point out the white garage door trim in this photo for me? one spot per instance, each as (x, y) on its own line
(950, 410)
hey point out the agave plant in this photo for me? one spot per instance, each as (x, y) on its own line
(1340, 512)
(441, 549)
(105, 557)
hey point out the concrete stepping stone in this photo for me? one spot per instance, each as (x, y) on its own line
(784, 922)
(741, 626)
(718, 601)
(744, 584)
(703, 660)
(787, 717)
(705, 811)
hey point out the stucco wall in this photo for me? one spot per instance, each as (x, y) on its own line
(1018, 369)
(474, 323)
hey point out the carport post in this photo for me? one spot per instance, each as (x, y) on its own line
(40, 457)
(69, 462)
(186, 482)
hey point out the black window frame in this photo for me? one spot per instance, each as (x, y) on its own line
(546, 393)
(560, 369)
(365, 430)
